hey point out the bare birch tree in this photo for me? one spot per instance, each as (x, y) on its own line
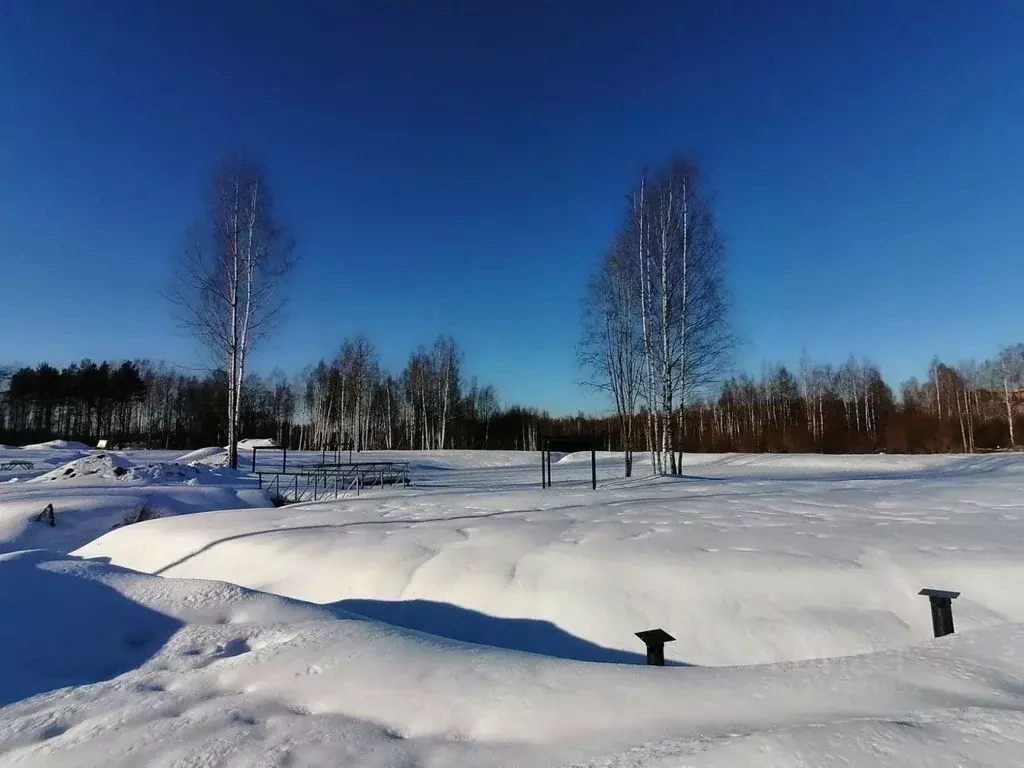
(227, 288)
(683, 302)
(610, 349)
(1010, 374)
(655, 318)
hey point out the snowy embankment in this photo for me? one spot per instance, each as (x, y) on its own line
(169, 672)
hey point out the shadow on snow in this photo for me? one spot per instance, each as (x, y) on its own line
(63, 629)
(469, 626)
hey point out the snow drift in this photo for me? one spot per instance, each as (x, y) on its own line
(212, 455)
(61, 445)
(174, 672)
(256, 442)
(743, 569)
(109, 467)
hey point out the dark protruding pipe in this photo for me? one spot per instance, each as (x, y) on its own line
(942, 610)
(655, 640)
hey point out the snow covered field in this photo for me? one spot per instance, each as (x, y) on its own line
(790, 583)
(91, 491)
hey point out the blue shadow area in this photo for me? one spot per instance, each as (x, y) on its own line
(59, 629)
(455, 623)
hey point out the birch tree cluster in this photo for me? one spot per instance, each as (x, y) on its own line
(655, 317)
(823, 408)
(429, 405)
(970, 399)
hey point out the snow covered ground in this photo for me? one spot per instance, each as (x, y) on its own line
(790, 583)
(746, 560)
(92, 491)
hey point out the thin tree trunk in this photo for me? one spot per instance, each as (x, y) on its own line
(960, 414)
(1009, 409)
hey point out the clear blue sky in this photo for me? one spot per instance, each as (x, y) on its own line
(459, 167)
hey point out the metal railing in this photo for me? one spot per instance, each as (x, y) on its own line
(314, 482)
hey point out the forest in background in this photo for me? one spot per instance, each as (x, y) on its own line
(433, 404)
(655, 339)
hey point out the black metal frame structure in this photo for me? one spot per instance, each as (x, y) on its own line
(567, 445)
(316, 481)
(284, 455)
(346, 444)
(319, 481)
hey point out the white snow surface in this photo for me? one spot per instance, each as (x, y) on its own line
(744, 560)
(95, 491)
(171, 672)
(256, 442)
(790, 583)
(212, 455)
(63, 445)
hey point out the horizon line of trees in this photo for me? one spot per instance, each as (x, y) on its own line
(431, 404)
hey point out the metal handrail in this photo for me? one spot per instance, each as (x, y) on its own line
(379, 473)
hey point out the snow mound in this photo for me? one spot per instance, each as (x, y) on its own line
(572, 458)
(213, 455)
(72, 445)
(162, 473)
(112, 467)
(101, 466)
(112, 634)
(256, 442)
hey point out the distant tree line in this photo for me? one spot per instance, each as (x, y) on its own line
(850, 409)
(431, 403)
(655, 339)
(847, 408)
(130, 403)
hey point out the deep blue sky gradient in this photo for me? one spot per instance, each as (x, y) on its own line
(459, 167)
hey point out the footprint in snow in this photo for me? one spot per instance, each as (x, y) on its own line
(234, 648)
(52, 731)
